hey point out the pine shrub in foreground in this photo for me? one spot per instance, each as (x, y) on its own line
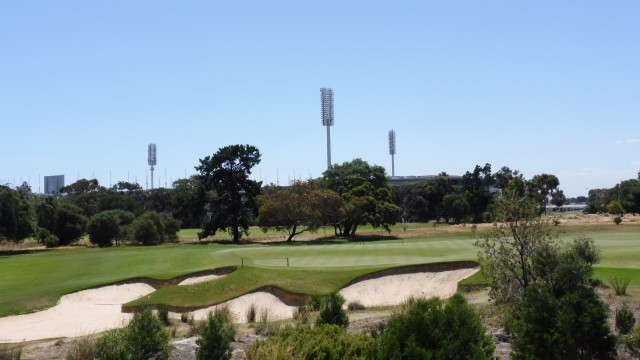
(216, 335)
(331, 311)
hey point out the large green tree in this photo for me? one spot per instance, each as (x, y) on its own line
(187, 200)
(365, 195)
(231, 195)
(17, 216)
(477, 188)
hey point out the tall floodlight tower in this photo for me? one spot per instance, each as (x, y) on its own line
(152, 160)
(392, 150)
(326, 103)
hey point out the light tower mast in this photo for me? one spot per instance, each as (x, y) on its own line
(392, 150)
(152, 160)
(326, 104)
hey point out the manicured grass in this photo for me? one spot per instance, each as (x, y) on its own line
(36, 280)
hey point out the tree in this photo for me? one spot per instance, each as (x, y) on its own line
(435, 329)
(216, 334)
(455, 206)
(541, 187)
(507, 251)
(70, 223)
(85, 194)
(17, 216)
(477, 189)
(105, 227)
(504, 176)
(366, 198)
(231, 194)
(152, 228)
(295, 209)
(187, 201)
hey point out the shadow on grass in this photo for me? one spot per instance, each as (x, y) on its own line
(8, 253)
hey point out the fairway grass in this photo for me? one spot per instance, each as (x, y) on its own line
(36, 280)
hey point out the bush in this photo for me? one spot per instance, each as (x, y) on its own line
(251, 313)
(617, 219)
(329, 342)
(619, 285)
(301, 314)
(355, 306)
(331, 311)
(264, 327)
(163, 315)
(107, 226)
(144, 338)
(625, 320)
(10, 353)
(314, 302)
(51, 241)
(184, 317)
(152, 228)
(82, 349)
(433, 329)
(216, 335)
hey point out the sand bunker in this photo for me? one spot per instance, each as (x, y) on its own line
(96, 310)
(198, 279)
(81, 313)
(275, 308)
(395, 289)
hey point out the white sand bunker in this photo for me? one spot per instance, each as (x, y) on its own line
(263, 301)
(395, 289)
(81, 313)
(198, 279)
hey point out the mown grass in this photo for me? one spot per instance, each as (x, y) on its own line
(36, 280)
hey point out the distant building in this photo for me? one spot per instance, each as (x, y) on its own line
(52, 184)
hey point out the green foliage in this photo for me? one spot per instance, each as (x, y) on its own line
(70, 223)
(625, 320)
(17, 215)
(107, 226)
(456, 207)
(251, 313)
(144, 338)
(331, 311)
(83, 348)
(366, 198)
(572, 326)
(9, 352)
(302, 314)
(152, 228)
(266, 327)
(216, 334)
(476, 187)
(328, 342)
(187, 201)
(355, 306)
(617, 219)
(433, 329)
(615, 208)
(231, 195)
(619, 285)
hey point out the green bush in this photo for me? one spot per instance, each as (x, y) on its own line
(433, 329)
(328, 342)
(152, 228)
(314, 302)
(144, 338)
(355, 306)
(264, 326)
(216, 334)
(619, 285)
(625, 320)
(107, 226)
(301, 314)
(331, 311)
(251, 313)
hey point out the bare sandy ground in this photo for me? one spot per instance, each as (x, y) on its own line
(198, 279)
(96, 310)
(395, 289)
(81, 313)
(263, 301)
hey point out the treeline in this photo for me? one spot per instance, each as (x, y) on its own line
(620, 199)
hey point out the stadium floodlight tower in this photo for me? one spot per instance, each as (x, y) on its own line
(327, 117)
(152, 160)
(392, 150)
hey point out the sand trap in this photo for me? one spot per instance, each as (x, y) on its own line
(395, 289)
(81, 313)
(198, 279)
(276, 309)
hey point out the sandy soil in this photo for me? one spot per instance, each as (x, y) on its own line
(81, 313)
(198, 279)
(395, 289)
(275, 308)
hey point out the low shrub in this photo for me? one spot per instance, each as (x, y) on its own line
(10, 353)
(301, 314)
(619, 285)
(355, 306)
(144, 338)
(82, 349)
(264, 326)
(163, 315)
(251, 313)
(331, 311)
(625, 320)
(433, 329)
(330, 342)
(314, 302)
(216, 334)
(184, 317)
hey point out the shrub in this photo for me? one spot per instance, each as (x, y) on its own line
(625, 320)
(329, 342)
(163, 315)
(264, 327)
(82, 349)
(216, 335)
(144, 338)
(331, 311)
(617, 219)
(107, 226)
(355, 306)
(184, 317)
(301, 314)
(314, 302)
(433, 329)
(251, 313)
(619, 285)
(51, 241)
(10, 353)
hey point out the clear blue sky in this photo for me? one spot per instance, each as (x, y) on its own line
(539, 86)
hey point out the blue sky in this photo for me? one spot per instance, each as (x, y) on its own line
(542, 87)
